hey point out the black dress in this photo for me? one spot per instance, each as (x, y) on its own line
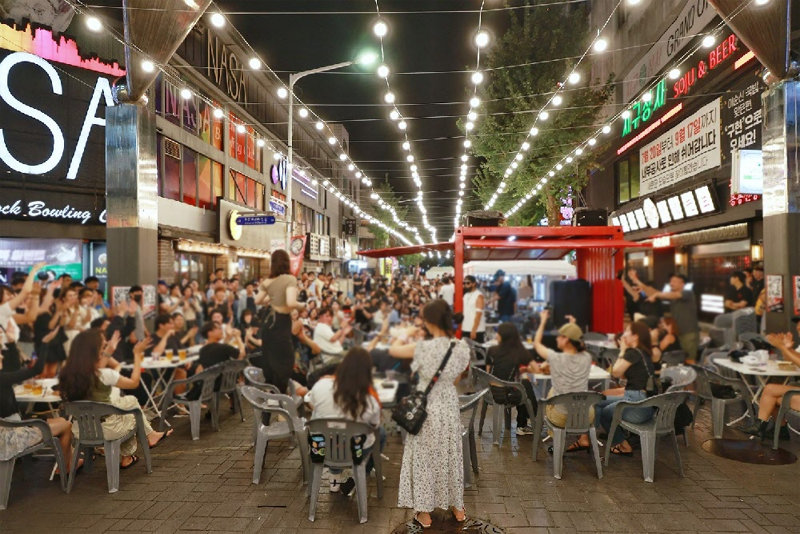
(277, 349)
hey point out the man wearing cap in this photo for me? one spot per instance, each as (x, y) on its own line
(505, 296)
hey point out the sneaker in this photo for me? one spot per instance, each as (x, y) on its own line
(524, 431)
(335, 485)
(348, 486)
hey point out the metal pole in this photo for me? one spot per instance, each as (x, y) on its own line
(289, 212)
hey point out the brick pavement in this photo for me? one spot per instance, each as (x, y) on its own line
(205, 486)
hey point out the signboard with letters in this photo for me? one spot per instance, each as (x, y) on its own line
(691, 147)
(656, 211)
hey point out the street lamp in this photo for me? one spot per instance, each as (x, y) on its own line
(366, 59)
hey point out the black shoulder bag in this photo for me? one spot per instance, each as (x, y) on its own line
(410, 412)
(506, 395)
(653, 386)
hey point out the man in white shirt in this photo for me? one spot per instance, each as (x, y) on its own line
(329, 341)
(474, 323)
(447, 291)
(382, 314)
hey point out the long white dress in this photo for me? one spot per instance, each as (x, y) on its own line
(432, 474)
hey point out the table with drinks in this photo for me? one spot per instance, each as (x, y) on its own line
(159, 366)
(38, 391)
(762, 369)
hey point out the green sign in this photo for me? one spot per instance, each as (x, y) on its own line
(641, 111)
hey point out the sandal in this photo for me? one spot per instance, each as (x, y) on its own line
(423, 525)
(164, 436)
(463, 513)
(134, 459)
(619, 452)
(577, 447)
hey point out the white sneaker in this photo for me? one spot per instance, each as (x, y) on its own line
(524, 431)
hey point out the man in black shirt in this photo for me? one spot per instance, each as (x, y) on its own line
(214, 351)
(164, 338)
(738, 295)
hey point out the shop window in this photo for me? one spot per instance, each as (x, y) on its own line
(259, 196)
(216, 175)
(238, 188)
(189, 177)
(205, 192)
(251, 192)
(626, 177)
(171, 187)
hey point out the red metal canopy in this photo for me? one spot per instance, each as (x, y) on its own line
(596, 250)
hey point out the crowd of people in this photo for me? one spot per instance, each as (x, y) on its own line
(322, 337)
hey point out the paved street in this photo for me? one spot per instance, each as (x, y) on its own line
(205, 486)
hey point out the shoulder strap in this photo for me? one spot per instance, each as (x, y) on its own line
(644, 362)
(440, 369)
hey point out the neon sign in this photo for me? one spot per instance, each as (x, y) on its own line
(642, 111)
(715, 58)
(102, 88)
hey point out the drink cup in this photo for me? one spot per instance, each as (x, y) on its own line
(169, 353)
(38, 390)
(182, 354)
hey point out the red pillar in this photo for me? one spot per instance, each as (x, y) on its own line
(458, 265)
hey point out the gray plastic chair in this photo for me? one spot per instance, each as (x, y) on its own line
(291, 427)
(90, 415)
(661, 424)
(229, 377)
(205, 381)
(48, 441)
(254, 376)
(579, 421)
(674, 357)
(484, 380)
(477, 353)
(705, 377)
(469, 404)
(338, 434)
(784, 411)
(682, 377)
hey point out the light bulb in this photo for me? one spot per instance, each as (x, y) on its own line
(331, 140)
(406, 145)
(402, 125)
(260, 143)
(482, 38)
(518, 157)
(380, 28)
(282, 92)
(464, 157)
(574, 77)
(413, 168)
(534, 131)
(647, 97)
(240, 129)
(351, 167)
(606, 129)
(544, 115)
(319, 125)
(559, 166)
(254, 63)
(467, 143)
(409, 158)
(148, 66)
(394, 115)
(469, 126)
(551, 173)
(592, 141)
(474, 102)
(569, 159)
(472, 116)
(303, 112)
(674, 74)
(557, 100)
(343, 156)
(218, 113)
(600, 45)
(94, 24)
(477, 77)
(217, 20)
(626, 114)
(358, 174)
(514, 164)
(186, 94)
(277, 156)
(526, 145)
(578, 151)
(383, 71)
(708, 41)
(389, 98)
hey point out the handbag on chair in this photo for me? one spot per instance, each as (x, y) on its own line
(410, 412)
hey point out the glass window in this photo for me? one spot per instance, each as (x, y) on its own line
(216, 175)
(259, 196)
(251, 192)
(634, 175)
(238, 188)
(189, 176)
(623, 184)
(172, 172)
(204, 184)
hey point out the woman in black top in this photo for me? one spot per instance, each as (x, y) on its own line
(504, 360)
(636, 366)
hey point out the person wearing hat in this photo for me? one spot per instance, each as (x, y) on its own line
(505, 296)
(569, 369)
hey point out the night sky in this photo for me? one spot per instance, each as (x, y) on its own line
(422, 42)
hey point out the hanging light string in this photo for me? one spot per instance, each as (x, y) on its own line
(381, 29)
(673, 73)
(598, 44)
(170, 74)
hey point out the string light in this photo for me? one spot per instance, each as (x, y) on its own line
(94, 24)
(217, 20)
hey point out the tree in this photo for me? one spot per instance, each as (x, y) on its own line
(526, 65)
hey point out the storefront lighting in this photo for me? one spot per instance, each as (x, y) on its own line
(241, 129)
(756, 252)
(260, 143)
(187, 245)
(647, 97)
(674, 74)
(606, 129)
(252, 253)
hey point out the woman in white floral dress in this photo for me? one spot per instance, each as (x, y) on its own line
(432, 474)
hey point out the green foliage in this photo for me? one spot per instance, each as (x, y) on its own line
(513, 96)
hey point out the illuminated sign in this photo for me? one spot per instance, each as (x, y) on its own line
(715, 58)
(277, 173)
(663, 241)
(675, 207)
(663, 211)
(39, 209)
(654, 212)
(651, 213)
(747, 174)
(689, 204)
(705, 199)
(642, 111)
(632, 220)
(641, 220)
(226, 69)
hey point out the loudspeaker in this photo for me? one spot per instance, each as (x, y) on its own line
(484, 218)
(571, 297)
(588, 217)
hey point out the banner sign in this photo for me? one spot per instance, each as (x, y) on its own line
(297, 249)
(695, 15)
(245, 220)
(693, 146)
